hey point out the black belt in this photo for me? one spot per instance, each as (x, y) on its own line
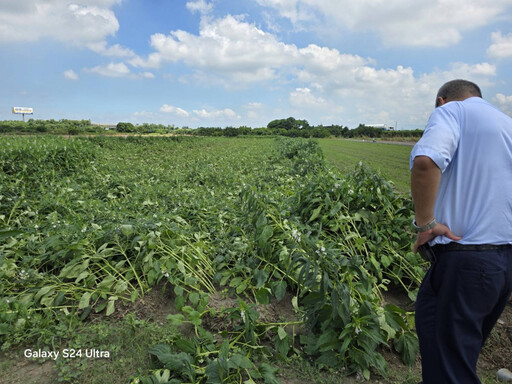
(470, 247)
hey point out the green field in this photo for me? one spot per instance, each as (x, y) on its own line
(202, 260)
(392, 160)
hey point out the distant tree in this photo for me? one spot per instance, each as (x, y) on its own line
(125, 127)
(230, 132)
(288, 124)
(244, 130)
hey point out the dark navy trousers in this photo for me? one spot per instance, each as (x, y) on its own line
(459, 301)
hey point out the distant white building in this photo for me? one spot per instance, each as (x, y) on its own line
(384, 127)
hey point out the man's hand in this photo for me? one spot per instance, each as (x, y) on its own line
(438, 230)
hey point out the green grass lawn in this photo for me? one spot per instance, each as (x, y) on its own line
(391, 160)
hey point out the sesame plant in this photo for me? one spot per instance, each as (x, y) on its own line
(89, 225)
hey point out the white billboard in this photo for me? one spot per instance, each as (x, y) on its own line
(23, 110)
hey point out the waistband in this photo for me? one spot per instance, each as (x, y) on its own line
(470, 247)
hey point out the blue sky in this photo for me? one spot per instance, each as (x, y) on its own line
(238, 62)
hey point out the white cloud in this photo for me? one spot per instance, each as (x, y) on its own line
(216, 113)
(303, 98)
(174, 110)
(70, 75)
(227, 46)
(241, 52)
(200, 6)
(501, 46)
(114, 50)
(146, 75)
(294, 10)
(398, 22)
(119, 70)
(111, 70)
(33, 20)
(481, 73)
(254, 105)
(504, 103)
(255, 111)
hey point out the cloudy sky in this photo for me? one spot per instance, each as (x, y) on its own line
(246, 62)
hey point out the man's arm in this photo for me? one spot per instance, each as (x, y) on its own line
(425, 180)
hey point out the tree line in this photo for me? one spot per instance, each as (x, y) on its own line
(290, 127)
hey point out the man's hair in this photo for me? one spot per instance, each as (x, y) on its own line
(458, 89)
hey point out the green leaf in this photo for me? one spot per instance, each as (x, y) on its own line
(385, 260)
(238, 361)
(26, 299)
(82, 276)
(162, 375)
(315, 213)
(328, 359)
(5, 328)
(407, 346)
(262, 296)
(413, 295)
(174, 362)
(110, 307)
(279, 289)
(176, 319)
(59, 299)
(282, 346)
(261, 277)
(100, 307)
(121, 286)
(346, 342)
(194, 298)
(49, 289)
(281, 333)
(127, 229)
(327, 340)
(224, 350)
(134, 295)
(241, 287)
(214, 372)
(186, 346)
(195, 318)
(85, 313)
(264, 236)
(84, 301)
(179, 302)
(6, 233)
(235, 282)
(178, 290)
(268, 373)
(47, 301)
(107, 283)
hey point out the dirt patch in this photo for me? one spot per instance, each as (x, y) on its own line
(155, 305)
(497, 353)
(273, 312)
(26, 371)
(397, 296)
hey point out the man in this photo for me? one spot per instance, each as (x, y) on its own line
(461, 184)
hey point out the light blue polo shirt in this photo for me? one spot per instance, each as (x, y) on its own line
(471, 143)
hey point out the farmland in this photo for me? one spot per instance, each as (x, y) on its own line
(200, 260)
(391, 160)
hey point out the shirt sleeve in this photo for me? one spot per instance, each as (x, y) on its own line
(441, 136)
